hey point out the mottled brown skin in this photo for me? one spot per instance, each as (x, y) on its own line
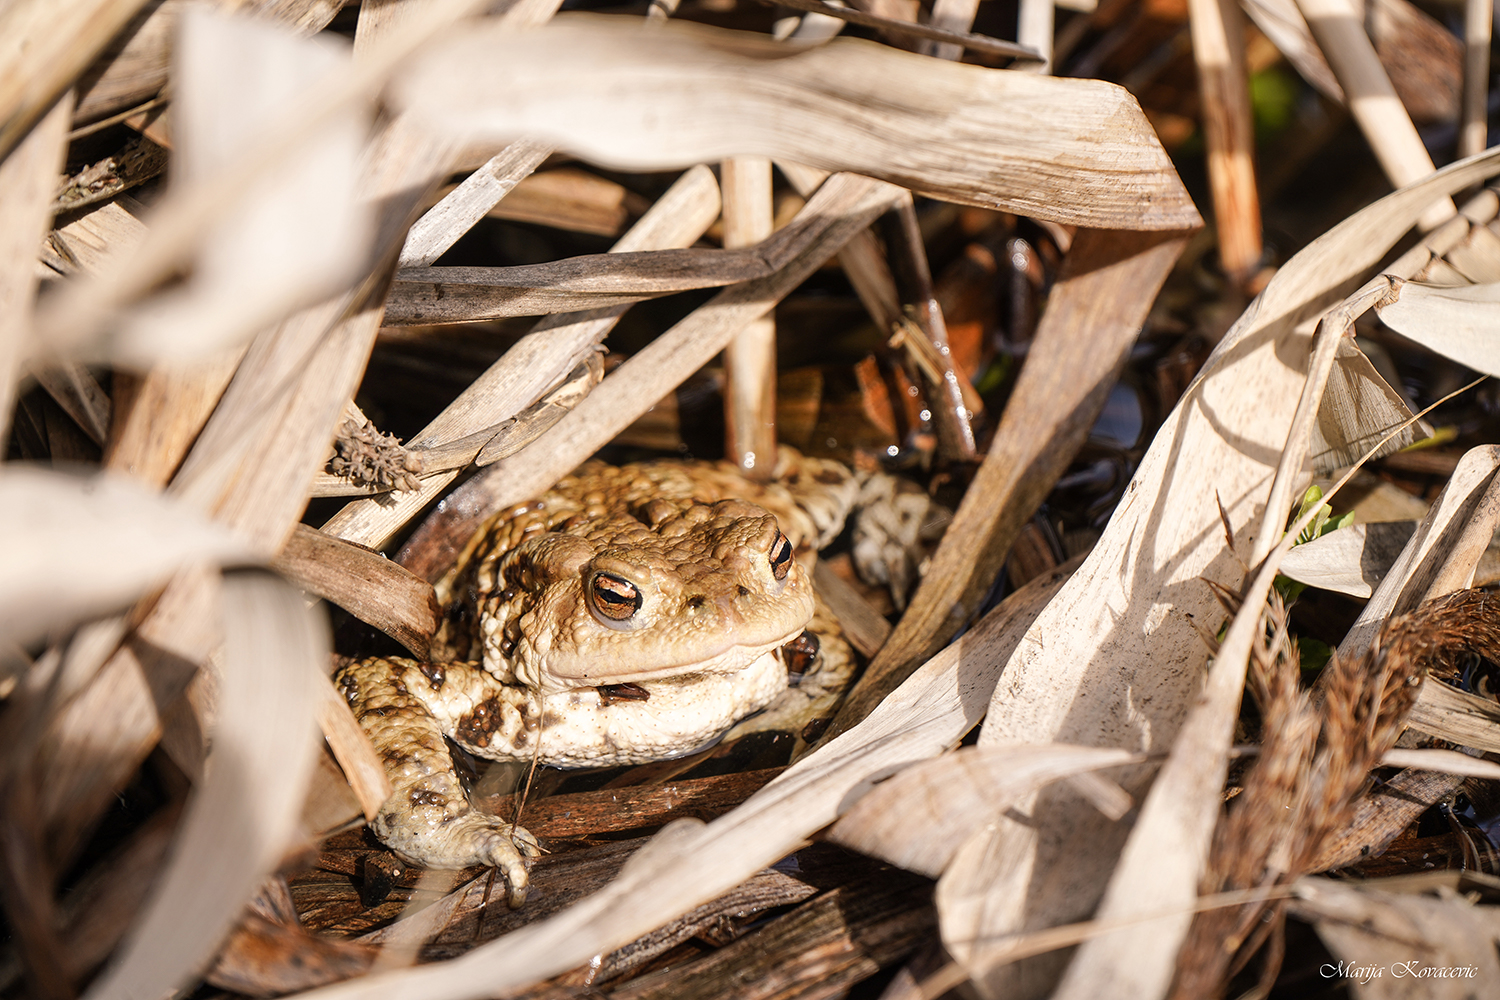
(630, 614)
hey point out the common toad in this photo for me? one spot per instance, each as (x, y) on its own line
(628, 615)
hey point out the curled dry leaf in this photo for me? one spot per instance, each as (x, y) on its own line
(1457, 322)
(1359, 410)
(682, 94)
(77, 546)
(919, 818)
(1351, 560)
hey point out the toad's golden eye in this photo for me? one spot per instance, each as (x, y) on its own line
(613, 598)
(781, 556)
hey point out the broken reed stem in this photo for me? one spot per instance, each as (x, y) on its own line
(442, 224)
(950, 15)
(1034, 25)
(750, 358)
(1372, 100)
(1473, 131)
(945, 396)
(963, 39)
(1219, 50)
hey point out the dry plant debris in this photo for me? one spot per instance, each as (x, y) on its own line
(916, 262)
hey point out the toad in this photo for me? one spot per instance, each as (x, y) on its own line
(630, 614)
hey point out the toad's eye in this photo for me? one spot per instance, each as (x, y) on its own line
(781, 556)
(612, 598)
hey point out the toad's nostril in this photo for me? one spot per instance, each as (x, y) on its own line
(744, 590)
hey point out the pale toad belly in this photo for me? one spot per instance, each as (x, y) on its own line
(631, 614)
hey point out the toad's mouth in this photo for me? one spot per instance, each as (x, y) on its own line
(797, 655)
(621, 666)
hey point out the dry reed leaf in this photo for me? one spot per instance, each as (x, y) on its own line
(297, 233)
(688, 864)
(363, 768)
(1116, 659)
(25, 177)
(245, 812)
(1456, 322)
(180, 221)
(91, 237)
(920, 817)
(1443, 552)
(75, 389)
(1284, 25)
(1393, 944)
(44, 46)
(1351, 560)
(534, 364)
(1094, 311)
(572, 199)
(79, 546)
(682, 94)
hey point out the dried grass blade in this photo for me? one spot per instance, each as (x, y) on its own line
(1444, 550)
(1352, 560)
(1382, 118)
(750, 357)
(1446, 761)
(1126, 625)
(180, 222)
(1458, 323)
(1458, 716)
(134, 66)
(246, 810)
(1010, 141)
(293, 236)
(362, 766)
(1358, 409)
(435, 295)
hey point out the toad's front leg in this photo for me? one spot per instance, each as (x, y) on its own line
(405, 707)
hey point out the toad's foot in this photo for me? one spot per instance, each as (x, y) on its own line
(427, 819)
(470, 838)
